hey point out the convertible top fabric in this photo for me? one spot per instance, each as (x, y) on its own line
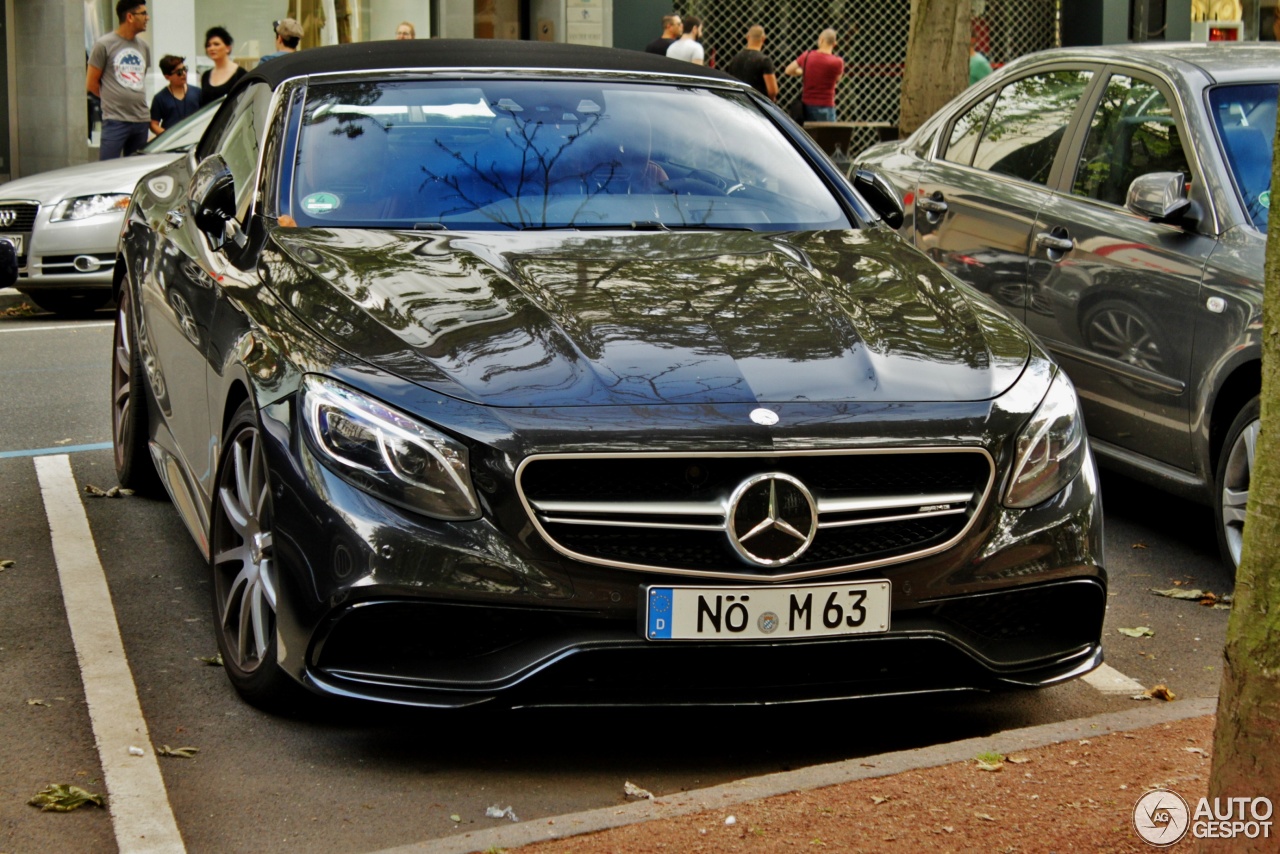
(435, 54)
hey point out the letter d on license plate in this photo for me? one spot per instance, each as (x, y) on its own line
(766, 613)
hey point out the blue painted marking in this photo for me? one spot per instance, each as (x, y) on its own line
(660, 612)
(47, 452)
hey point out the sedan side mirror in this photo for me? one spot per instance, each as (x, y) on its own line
(880, 195)
(1159, 196)
(212, 199)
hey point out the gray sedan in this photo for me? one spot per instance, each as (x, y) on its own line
(1116, 199)
(64, 224)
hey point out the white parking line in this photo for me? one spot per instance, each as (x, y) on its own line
(96, 324)
(1108, 680)
(139, 804)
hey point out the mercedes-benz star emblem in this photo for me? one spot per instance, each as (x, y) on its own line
(772, 519)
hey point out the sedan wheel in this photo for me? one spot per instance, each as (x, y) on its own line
(1234, 470)
(134, 467)
(244, 570)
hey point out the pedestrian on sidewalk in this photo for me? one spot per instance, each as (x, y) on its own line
(750, 65)
(672, 27)
(687, 46)
(176, 101)
(821, 70)
(288, 37)
(217, 81)
(117, 75)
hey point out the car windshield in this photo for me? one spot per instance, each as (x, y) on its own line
(1245, 118)
(520, 154)
(185, 134)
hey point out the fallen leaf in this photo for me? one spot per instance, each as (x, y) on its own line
(949, 829)
(61, 797)
(1160, 692)
(631, 790)
(20, 310)
(1180, 593)
(1138, 546)
(1197, 750)
(177, 752)
(35, 702)
(5, 564)
(211, 660)
(990, 766)
(983, 816)
(1137, 632)
(455, 818)
(1018, 760)
(113, 492)
(878, 800)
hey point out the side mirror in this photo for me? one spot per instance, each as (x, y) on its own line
(880, 195)
(212, 199)
(1159, 196)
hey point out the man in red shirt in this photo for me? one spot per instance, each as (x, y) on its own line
(821, 70)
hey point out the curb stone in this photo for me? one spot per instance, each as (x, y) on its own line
(815, 777)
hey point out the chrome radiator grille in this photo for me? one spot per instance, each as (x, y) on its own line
(755, 516)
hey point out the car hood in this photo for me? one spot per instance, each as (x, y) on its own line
(589, 318)
(108, 176)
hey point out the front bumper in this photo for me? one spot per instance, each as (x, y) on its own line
(379, 604)
(78, 255)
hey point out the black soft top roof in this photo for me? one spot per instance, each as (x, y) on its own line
(435, 54)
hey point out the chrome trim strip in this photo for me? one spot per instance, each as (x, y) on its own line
(902, 517)
(762, 455)
(1115, 366)
(614, 523)
(649, 508)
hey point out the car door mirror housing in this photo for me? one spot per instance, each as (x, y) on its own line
(880, 195)
(1160, 196)
(213, 199)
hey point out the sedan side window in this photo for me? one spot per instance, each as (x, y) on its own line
(966, 130)
(1133, 132)
(1028, 123)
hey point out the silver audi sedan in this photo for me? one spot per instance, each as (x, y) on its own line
(64, 224)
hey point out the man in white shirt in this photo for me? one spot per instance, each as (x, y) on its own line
(687, 47)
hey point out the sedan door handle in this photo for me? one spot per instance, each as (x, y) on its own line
(174, 218)
(1058, 244)
(931, 205)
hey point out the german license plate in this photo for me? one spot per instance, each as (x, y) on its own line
(766, 613)
(16, 240)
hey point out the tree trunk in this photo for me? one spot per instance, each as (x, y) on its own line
(1247, 733)
(937, 65)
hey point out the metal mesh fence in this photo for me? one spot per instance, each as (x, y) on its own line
(872, 39)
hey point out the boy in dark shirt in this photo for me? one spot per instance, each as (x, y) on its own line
(176, 101)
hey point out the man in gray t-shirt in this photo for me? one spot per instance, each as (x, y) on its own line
(117, 75)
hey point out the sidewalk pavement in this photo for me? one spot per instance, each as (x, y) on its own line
(724, 797)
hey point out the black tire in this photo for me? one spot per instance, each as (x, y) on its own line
(1231, 481)
(244, 573)
(129, 418)
(71, 303)
(1123, 331)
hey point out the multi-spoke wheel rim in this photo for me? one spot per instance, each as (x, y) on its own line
(243, 567)
(1235, 488)
(1125, 336)
(121, 378)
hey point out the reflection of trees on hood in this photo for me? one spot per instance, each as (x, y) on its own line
(520, 303)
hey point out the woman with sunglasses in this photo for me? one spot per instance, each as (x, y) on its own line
(176, 101)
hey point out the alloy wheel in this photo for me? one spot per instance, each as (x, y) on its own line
(1235, 489)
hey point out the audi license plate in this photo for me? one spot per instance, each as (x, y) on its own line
(766, 613)
(16, 240)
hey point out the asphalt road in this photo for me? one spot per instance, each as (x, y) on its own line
(346, 778)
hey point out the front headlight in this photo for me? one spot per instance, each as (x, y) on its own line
(387, 453)
(84, 207)
(1050, 449)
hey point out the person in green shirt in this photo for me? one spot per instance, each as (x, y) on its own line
(979, 67)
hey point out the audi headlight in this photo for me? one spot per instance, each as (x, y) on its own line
(387, 453)
(1050, 449)
(83, 207)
